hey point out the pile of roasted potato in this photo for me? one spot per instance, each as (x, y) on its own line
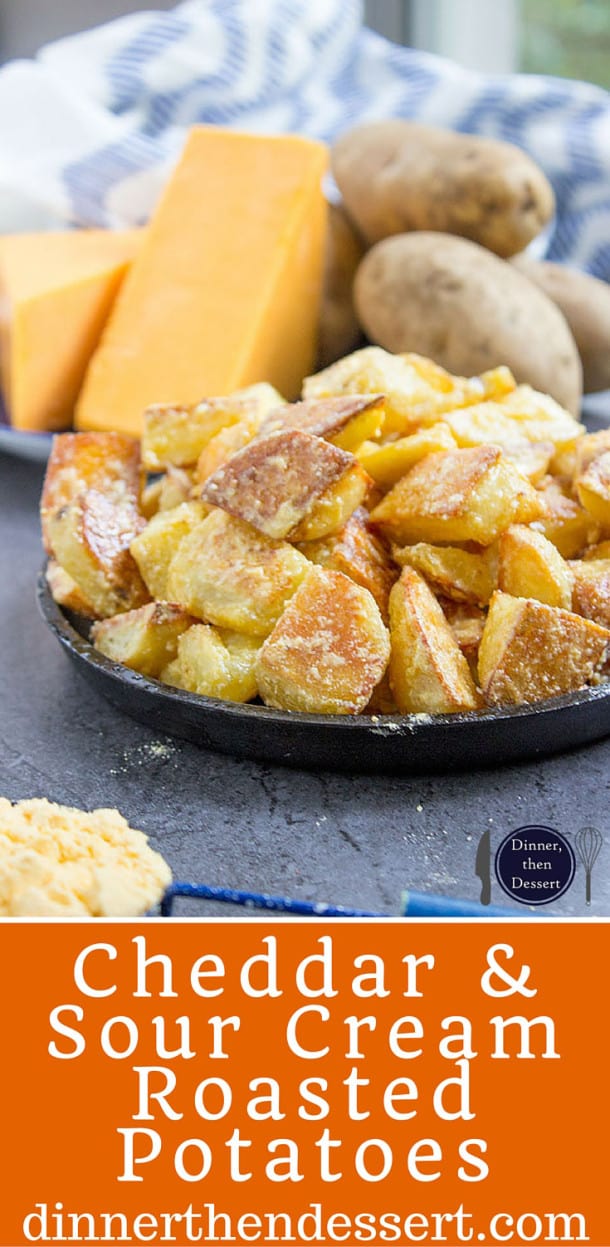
(401, 540)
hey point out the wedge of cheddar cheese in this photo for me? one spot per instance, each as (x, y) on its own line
(56, 291)
(226, 289)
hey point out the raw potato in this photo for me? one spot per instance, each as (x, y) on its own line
(397, 176)
(338, 329)
(456, 302)
(585, 303)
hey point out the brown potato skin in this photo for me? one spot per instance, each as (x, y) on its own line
(585, 302)
(450, 299)
(338, 331)
(397, 176)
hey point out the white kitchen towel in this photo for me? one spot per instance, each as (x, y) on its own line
(90, 128)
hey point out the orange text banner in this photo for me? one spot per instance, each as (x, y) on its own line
(305, 1082)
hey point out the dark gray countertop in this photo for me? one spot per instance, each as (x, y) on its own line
(352, 840)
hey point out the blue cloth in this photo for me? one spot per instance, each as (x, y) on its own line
(123, 95)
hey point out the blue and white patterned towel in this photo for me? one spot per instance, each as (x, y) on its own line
(89, 130)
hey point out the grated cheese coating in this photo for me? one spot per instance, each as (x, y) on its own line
(61, 862)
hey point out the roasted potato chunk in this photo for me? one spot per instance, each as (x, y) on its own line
(176, 487)
(90, 514)
(531, 459)
(457, 574)
(416, 390)
(370, 370)
(328, 651)
(530, 566)
(388, 462)
(588, 448)
(165, 492)
(154, 548)
(457, 496)
(530, 651)
(599, 551)
(541, 418)
(215, 663)
(481, 424)
(176, 435)
(382, 699)
(564, 521)
(487, 423)
(593, 489)
(466, 622)
(591, 589)
(90, 539)
(428, 672)
(354, 551)
(492, 384)
(225, 444)
(373, 370)
(230, 575)
(289, 484)
(144, 639)
(65, 591)
(523, 413)
(106, 462)
(151, 497)
(345, 421)
(451, 393)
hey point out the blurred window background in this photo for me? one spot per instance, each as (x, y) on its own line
(570, 38)
(567, 37)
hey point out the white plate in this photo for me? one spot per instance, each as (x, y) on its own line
(24, 445)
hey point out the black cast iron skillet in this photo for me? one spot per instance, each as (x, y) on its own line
(405, 744)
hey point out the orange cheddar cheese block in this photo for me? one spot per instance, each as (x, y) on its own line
(225, 291)
(56, 292)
